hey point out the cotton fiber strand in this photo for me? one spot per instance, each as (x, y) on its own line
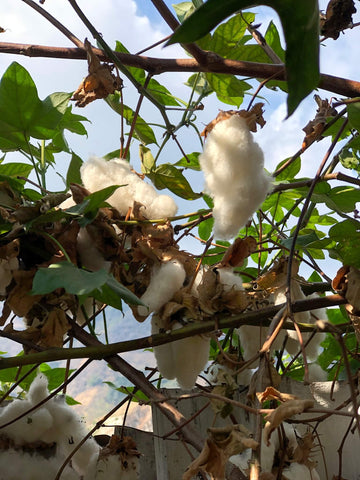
(229, 279)
(98, 173)
(233, 165)
(166, 279)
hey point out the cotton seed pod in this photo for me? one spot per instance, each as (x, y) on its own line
(233, 165)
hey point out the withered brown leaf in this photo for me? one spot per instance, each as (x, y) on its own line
(271, 393)
(99, 83)
(338, 17)
(281, 413)
(238, 251)
(315, 128)
(253, 117)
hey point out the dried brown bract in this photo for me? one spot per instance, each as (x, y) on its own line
(315, 128)
(253, 117)
(338, 17)
(99, 83)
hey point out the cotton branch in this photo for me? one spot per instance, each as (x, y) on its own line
(156, 66)
(99, 351)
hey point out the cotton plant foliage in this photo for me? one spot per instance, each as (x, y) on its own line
(233, 166)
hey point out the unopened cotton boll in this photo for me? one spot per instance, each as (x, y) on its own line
(98, 173)
(165, 280)
(233, 165)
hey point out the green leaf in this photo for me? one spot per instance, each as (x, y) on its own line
(183, 10)
(15, 169)
(71, 401)
(200, 84)
(190, 161)
(147, 159)
(168, 176)
(353, 110)
(73, 173)
(300, 22)
(228, 88)
(290, 172)
(79, 282)
(55, 376)
(301, 241)
(205, 228)
(142, 130)
(136, 395)
(272, 38)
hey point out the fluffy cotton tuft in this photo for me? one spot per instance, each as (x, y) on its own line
(165, 281)
(98, 173)
(111, 468)
(233, 165)
(53, 421)
(183, 359)
(297, 471)
(229, 279)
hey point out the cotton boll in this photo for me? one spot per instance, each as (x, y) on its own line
(234, 175)
(38, 390)
(252, 338)
(297, 471)
(190, 358)
(229, 279)
(90, 257)
(111, 468)
(97, 173)
(15, 465)
(316, 373)
(163, 353)
(165, 281)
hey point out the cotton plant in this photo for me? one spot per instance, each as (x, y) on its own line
(233, 166)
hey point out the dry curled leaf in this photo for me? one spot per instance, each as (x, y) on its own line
(99, 83)
(221, 444)
(339, 281)
(238, 251)
(315, 128)
(53, 331)
(275, 277)
(271, 393)
(353, 288)
(253, 117)
(304, 449)
(283, 412)
(338, 16)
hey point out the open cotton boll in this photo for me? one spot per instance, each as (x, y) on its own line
(190, 358)
(98, 173)
(165, 281)
(316, 373)
(229, 279)
(163, 353)
(252, 338)
(297, 471)
(90, 257)
(233, 165)
(111, 468)
(16, 465)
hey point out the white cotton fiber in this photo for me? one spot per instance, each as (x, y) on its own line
(16, 465)
(54, 421)
(98, 173)
(163, 353)
(166, 279)
(233, 165)
(229, 279)
(111, 468)
(297, 471)
(292, 344)
(91, 258)
(190, 356)
(183, 359)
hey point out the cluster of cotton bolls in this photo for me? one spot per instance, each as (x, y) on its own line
(295, 471)
(98, 173)
(52, 422)
(233, 165)
(253, 337)
(183, 359)
(7, 266)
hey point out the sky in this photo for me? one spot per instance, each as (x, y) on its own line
(137, 25)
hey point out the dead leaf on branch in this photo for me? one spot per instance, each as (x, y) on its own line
(282, 412)
(253, 117)
(338, 17)
(221, 444)
(304, 449)
(238, 251)
(275, 277)
(315, 128)
(271, 393)
(99, 83)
